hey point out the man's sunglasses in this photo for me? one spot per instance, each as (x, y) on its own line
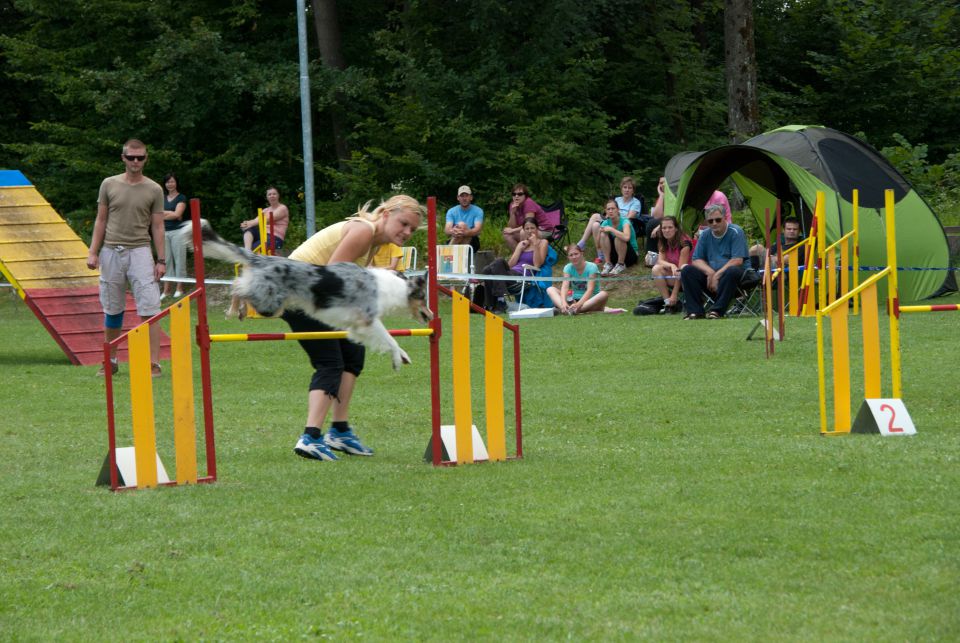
(717, 220)
(519, 194)
(135, 157)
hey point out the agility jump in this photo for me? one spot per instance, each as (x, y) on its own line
(837, 311)
(460, 441)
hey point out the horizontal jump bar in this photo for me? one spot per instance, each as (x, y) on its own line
(330, 334)
(929, 309)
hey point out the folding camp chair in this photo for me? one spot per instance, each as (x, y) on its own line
(557, 216)
(409, 261)
(455, 260)
(746, 302)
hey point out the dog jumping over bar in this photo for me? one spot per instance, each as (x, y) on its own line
(341, 295)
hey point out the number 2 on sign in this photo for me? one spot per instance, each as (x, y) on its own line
(893, 414)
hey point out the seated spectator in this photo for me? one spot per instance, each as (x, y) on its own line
(630, 208)
(673, 253)
(652, 228)
(719, 198)
(280, 217)
(530, 252)
(464, 221)
(618, 240)
(389, 256)
(717, 266)
(791, 236)
(578, 292)
(521, 208)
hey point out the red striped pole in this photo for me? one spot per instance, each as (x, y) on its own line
(937, 308)
(433, 295)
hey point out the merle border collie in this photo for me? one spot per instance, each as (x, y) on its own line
(341, 295)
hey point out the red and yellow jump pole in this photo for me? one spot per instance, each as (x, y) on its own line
(181, 369)
(461, 378)
(934, 308)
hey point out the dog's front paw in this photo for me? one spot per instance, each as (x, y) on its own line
(400, 358)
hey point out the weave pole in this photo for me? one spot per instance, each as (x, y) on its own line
(838, 313)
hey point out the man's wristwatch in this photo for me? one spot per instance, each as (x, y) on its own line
(162, 262)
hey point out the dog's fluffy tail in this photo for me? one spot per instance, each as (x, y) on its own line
(214, 246)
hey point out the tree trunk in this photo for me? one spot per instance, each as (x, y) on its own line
(740, 70)
(327, 28)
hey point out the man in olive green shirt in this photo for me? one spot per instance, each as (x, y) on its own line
(129, 212)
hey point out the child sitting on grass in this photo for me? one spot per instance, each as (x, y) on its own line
(578, 292)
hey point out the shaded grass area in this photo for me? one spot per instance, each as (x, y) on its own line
(674, 486)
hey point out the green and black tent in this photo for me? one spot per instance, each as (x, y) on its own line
(791, 164)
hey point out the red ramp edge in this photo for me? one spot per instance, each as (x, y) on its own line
(74, 319)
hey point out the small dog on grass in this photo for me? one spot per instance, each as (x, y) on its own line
(341, 295)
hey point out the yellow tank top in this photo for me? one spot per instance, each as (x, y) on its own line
(320, 247)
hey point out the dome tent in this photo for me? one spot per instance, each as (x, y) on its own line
(791, 164)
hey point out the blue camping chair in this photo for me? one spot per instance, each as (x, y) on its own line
(536, 295)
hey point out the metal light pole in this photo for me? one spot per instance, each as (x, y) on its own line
(305, 120)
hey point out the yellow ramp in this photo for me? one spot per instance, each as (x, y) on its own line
(38, 249)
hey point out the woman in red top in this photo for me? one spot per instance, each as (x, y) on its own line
(521, 208)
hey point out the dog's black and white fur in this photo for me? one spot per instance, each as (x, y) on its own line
(341, 295)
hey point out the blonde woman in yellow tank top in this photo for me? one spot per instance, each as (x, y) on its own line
(338, 362)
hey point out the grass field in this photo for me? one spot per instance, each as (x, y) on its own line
(674, 487)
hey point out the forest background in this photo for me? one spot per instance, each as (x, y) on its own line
(421, 96)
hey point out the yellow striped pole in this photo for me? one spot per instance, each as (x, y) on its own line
(856, 248)
(871, 342)
(893, 296)
(821, 245)
(493, 392)
(181, 370)
(822, 379)
(462, 412)
(262, 225)
(793, 272)
(930, 309)
(327, 334)
(840, 342)
(845, 268)
(831, 274)
(141, 406)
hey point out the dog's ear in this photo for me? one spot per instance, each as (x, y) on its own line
(417, 286)
(399, 274)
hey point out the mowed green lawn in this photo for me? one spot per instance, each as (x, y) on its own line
(674, 486)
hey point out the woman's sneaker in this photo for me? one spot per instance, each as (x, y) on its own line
(607, 267)
(617, 269)
(315, 448)
(346, 441)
